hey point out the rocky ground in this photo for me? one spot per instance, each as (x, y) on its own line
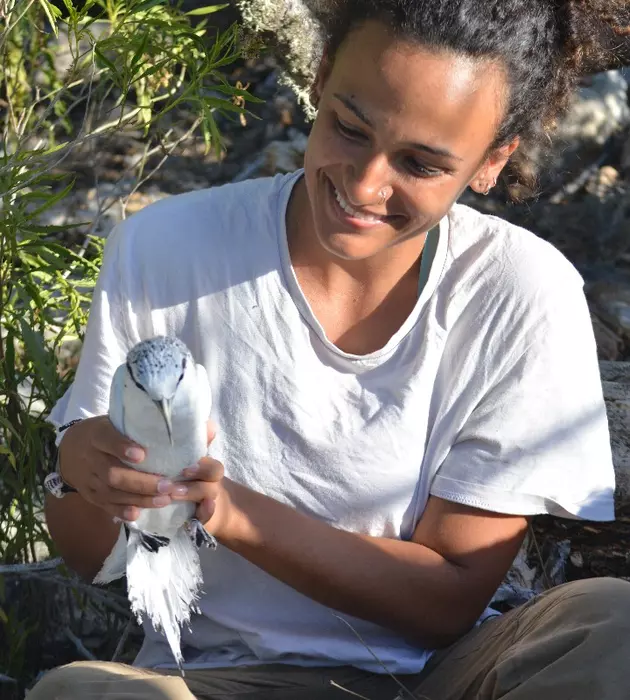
(584, 210)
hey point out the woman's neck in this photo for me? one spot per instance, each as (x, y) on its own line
(359, 303)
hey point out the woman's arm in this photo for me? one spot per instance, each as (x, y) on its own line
(431, 589)
(83, 533)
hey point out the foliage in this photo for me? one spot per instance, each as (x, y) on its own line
(73, 76)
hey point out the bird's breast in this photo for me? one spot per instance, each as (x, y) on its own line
(144, 424)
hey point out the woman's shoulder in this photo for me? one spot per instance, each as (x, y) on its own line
(223, 211)
(488, 251)
(197, 243)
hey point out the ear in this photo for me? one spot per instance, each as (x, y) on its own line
(323, 72)
(488, 174)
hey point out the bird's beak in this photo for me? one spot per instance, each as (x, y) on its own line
(165, 409)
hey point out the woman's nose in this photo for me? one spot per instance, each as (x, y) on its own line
(366, 182)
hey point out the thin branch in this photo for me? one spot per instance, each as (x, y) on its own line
(123, 639)
(575, 185)
(7, 32)
(401, 685)
(115, 602)
(81, 648)
(541, 561)
(38, 566)
(346, 690)
(167, 152)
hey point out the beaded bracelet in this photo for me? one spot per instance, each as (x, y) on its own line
(54, 482)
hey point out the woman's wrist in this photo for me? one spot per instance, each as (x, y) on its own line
(232, 521)
(62, 464)
(57, 482)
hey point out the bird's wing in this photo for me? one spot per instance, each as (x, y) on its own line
(116, 401)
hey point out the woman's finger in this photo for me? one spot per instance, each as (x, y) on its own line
(124, 498)
(207, 469)
(205, 510)
(136, 482)
(106, 438)
(195, 491)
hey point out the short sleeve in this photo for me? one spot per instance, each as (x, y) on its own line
(109, 335)
(536, 439)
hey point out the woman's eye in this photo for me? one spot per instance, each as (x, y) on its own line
(348, 131)
(415, 167)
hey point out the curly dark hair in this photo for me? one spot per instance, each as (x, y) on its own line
(544, 45)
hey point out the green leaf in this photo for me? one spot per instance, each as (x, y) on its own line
(39, 354)
(207, 10)
(51, 200)
(103, 59)
(72, 13)
(53, 13)
(140, 51)
(147, 5)
(237, 92)
(9, 359)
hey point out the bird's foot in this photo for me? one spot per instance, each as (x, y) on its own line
(199, 535)
(151, 542)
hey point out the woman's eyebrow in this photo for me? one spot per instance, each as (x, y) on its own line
(360, 114)
(355, 109)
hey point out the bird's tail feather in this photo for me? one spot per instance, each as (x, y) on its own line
(164, 585)
(116, 563)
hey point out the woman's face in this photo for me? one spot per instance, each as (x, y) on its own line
(401, 131)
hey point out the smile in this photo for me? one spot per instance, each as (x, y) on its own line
(368, 219)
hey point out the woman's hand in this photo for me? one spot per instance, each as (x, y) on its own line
(204, 485)
(90, 460)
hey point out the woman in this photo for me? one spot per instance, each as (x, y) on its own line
(399, 384)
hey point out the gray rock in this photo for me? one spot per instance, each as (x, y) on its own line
(616, 385)
(599, 109)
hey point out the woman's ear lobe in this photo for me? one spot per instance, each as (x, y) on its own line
(486, 177)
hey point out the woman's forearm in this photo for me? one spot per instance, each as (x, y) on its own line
(83, 533)
(401, 585)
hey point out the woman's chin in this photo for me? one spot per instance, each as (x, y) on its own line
(350, 246)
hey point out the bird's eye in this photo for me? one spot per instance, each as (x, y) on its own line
(133, 379)
(181, 376)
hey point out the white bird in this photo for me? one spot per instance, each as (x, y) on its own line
(161, 400)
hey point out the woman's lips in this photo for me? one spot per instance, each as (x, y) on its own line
(349, 216)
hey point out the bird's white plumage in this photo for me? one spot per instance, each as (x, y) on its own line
(163, 585)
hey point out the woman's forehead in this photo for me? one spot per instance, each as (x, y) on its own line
(407, 87)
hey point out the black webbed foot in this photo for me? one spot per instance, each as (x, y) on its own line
(153, 542)
(199, 535)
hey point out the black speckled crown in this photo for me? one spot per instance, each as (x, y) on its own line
(157, 356)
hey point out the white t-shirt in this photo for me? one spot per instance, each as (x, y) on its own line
(488, 395)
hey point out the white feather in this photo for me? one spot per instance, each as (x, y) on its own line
(174, 576)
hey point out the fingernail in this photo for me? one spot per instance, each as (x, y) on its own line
(164, 485)
(161, 500)
(135, 454)
(191, 471)
(129, 513)
(180, 490)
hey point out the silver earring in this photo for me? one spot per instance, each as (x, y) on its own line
(489, 187)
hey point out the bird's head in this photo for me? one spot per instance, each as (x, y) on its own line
(157, 367)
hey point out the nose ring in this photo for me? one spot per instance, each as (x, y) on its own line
(383, 194)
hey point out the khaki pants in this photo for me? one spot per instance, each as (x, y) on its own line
(572, 643)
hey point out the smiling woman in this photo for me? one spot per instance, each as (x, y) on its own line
(393, 379)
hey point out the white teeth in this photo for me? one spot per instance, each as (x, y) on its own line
(353, 212)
